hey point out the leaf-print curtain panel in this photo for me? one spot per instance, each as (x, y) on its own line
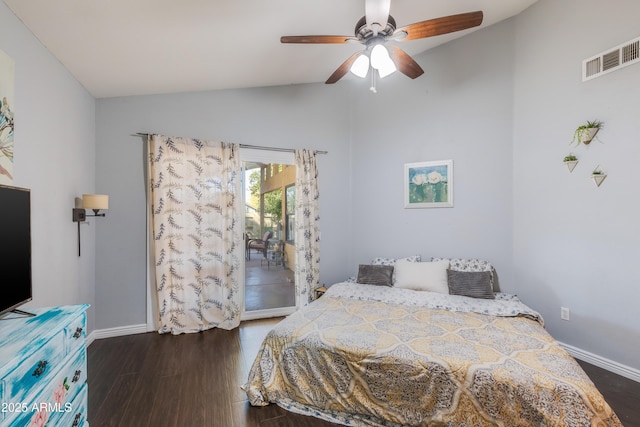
(196, 203)
(307, 228)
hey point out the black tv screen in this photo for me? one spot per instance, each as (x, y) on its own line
(15, 247)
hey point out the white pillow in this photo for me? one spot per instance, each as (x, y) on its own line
(422, 276)
(392, 261)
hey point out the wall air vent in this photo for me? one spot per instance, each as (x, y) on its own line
(613, 59)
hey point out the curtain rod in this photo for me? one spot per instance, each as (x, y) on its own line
(256, 147)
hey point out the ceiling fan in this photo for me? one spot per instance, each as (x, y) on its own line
(375, 30)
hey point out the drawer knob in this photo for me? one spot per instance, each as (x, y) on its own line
(76, 376)
(42, 366)
(78, 333)
(76, 420)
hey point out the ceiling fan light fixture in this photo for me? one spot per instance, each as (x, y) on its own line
(360, 66)
(381, 61)
(377, 27)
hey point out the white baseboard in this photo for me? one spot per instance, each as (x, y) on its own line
(271, 312)
(609, 365)
(116, 332)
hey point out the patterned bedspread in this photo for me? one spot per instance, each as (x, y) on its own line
(378, 356)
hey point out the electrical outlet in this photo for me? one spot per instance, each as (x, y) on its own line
(565, 314)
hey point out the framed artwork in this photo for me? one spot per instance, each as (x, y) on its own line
(6, 118)
(428, 184)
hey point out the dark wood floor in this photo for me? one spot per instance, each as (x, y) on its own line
(194, 380)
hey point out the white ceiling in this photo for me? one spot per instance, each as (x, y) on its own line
(136, 47)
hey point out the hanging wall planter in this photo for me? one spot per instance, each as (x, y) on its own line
(585, 133)
(570, 161)
(598, 176)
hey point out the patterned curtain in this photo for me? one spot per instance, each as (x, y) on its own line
(196, 206)
(307, 227)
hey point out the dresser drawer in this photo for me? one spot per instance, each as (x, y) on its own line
(76, 333)
(43, 363)
(58, 398)
(35, 371)
(77, 416)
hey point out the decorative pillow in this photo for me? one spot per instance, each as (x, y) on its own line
(392, 261)
(422, 276)
(462, 264)
(475, 284)
(375, 274)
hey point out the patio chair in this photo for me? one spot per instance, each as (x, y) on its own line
(259, 244)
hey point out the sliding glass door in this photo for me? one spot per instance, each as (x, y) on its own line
(269, 194)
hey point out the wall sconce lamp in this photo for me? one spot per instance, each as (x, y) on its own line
(96, 202)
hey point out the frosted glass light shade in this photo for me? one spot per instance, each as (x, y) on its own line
(95, 201)
(387, 69)
(360, 66)
(379, 55)
(381, 61)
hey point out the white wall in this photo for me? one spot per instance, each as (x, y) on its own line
(54, 157)
(576, 245)
(304, 116)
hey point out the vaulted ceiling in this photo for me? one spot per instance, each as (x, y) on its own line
(136, 47)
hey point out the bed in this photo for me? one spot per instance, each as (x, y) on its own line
(366, 355)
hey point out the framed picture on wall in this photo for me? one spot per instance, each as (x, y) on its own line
(7, 75)
(428, 184)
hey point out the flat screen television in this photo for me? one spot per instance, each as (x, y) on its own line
(15, 247)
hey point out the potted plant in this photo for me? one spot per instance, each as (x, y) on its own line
(586, 132)
(570, 161)
(598, 176)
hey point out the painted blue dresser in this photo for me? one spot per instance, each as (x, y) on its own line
(43, 368)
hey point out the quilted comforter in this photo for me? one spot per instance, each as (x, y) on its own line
(378, 356)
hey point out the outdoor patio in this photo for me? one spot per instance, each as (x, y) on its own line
(267, 285)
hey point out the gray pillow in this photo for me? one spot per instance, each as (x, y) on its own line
(375, 274)
(475, 284)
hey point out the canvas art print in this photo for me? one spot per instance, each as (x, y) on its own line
(428, 184)
(6, 118)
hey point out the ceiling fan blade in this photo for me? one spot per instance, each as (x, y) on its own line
(377, 12)
(405, 64)
(343, 69)
(443, 25)
(317, 39)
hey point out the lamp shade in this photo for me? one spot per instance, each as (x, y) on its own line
(360, 66)
(95, 201)
(381, 61)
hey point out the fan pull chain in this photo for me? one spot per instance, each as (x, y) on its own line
(372, 88)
